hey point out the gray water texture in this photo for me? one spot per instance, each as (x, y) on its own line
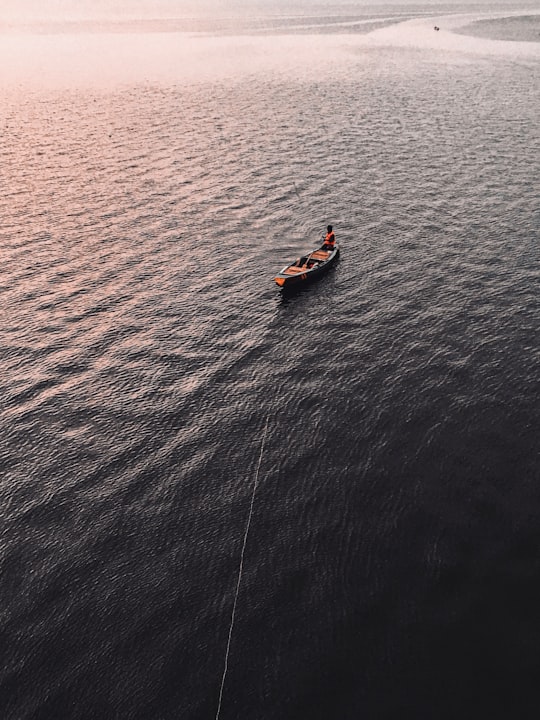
(392, 557)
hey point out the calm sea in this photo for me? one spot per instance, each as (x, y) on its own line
(153, 179)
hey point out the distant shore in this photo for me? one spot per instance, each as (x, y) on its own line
(524, 28)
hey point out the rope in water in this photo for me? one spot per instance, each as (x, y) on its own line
(240, 570)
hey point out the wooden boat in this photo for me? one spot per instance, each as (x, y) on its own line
(307, 268)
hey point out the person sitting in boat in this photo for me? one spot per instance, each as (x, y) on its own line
(330, 239)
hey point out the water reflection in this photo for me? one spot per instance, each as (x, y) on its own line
(147, 50)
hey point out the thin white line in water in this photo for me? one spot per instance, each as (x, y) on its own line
(240, 570)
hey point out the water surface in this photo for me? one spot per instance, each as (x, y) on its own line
(152, 185)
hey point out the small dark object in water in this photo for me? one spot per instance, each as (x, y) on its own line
(436, 28)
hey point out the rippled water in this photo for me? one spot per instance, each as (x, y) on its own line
(391, 565)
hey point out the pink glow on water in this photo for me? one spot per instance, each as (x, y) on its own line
(127, 42)
(97, 58)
